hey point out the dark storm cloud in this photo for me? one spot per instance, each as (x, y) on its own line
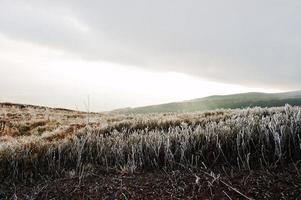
(254, 42)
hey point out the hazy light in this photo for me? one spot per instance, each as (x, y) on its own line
(38, 75)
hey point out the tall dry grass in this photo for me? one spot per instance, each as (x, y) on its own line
(240, 139)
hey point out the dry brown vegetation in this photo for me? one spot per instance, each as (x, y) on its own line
(212, 153)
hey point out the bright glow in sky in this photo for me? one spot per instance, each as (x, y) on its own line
(35, 74)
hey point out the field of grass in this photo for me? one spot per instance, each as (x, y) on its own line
(235, 154)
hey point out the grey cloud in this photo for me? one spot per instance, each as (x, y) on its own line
(245, 42)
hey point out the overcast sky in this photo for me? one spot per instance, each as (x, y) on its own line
(134, 53)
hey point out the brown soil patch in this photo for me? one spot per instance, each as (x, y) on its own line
(160, 185)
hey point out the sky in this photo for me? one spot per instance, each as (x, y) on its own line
(118, 53)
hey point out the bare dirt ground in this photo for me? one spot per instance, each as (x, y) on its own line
(179, 184)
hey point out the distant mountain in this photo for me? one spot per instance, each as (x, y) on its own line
(242, 100)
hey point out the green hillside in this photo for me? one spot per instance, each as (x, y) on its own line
(222, 101)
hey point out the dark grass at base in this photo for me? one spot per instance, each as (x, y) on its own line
(178, 184)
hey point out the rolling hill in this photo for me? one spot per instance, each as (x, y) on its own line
(242, 100)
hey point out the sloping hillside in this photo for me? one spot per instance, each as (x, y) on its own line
(222, 101)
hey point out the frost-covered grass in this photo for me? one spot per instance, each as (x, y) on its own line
(241, 139)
